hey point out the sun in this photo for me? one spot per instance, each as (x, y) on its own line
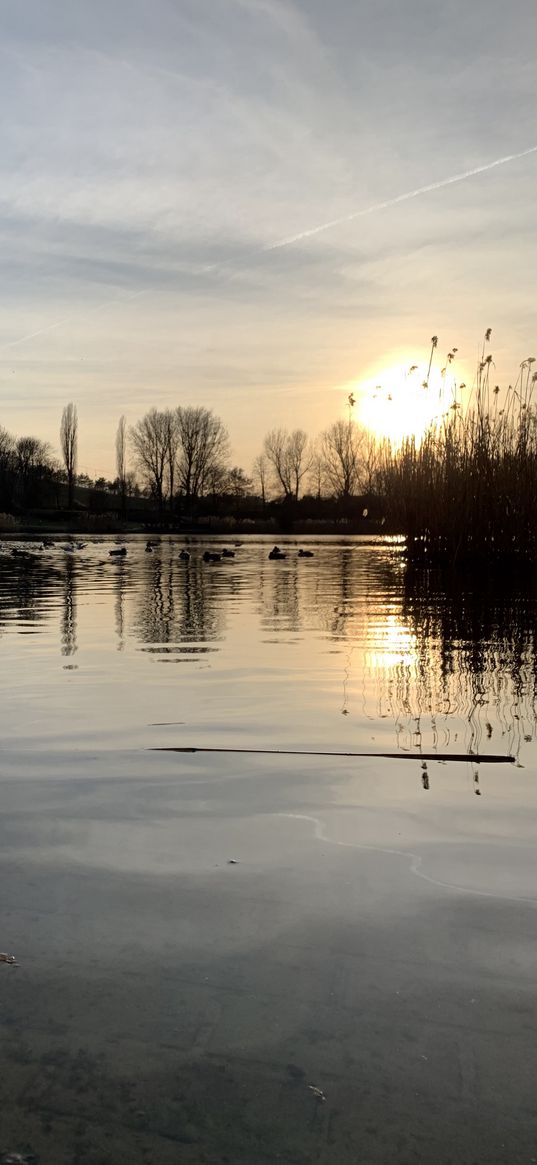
(401, 401)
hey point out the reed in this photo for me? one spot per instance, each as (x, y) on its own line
(468, 488)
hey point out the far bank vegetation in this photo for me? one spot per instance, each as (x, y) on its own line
(466, 490)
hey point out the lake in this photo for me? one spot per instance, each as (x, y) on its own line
(251, 957)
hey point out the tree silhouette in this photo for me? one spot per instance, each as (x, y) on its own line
(260, 474)
(203, 449)
(121, 462)
(149, 438)
(33, 463)
(342, 457)
(69, 446)
(289, 457)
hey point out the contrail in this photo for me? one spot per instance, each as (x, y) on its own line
(71, 319)
(297, 238)
(406, 197)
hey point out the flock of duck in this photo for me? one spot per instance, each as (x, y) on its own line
(151, 545)
(277, 553)
(217, 555)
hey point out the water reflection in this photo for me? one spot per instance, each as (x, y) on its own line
(68, 617)
(421, 661)
(22, 592)
(477, 656)
(176, 603)
(121, 583)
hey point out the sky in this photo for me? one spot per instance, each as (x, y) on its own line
(153, 152)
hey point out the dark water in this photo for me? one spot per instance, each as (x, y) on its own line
(375, 936)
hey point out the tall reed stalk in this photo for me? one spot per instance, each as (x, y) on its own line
(468, 489)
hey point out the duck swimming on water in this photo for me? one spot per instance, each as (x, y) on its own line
(277, 553)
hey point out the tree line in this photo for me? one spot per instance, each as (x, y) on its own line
(185, 453)
(178, 456)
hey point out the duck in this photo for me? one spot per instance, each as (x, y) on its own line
(120, 553)
(228, 553)
(184, 556)
(47, 543)
(210, 556)
(305, 553)
(277, 553)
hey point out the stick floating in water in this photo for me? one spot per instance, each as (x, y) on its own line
(474, 757)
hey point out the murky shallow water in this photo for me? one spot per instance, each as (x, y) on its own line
(375, 938)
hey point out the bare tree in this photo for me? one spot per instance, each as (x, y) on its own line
(7, 466)
(149, 439)
(32, 463)
(121, 461)
(371, 462)
(131, 485)
(288, 455)
(342, 454)
(7, 447)
(69, 446)
(316, 476)
(202, 452)
(299, 459)
(274, 447)
(260, 475)
(236, 483)
(172, 450)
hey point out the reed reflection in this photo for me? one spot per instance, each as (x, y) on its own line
(472, 667)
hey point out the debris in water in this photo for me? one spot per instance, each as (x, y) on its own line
(318, 1093)
(19, 1159)
(8, 959)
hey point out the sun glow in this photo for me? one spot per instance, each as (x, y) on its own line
(402, 401)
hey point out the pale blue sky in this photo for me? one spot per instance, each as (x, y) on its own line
(152, 150)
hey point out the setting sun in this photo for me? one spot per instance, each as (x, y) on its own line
(401, 401)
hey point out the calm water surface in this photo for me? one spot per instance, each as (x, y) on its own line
(340, 652)
(205, 939)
